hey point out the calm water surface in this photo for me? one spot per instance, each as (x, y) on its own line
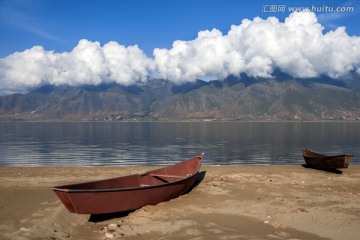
(162, 143)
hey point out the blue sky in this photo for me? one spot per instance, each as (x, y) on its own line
(59, 24)
(78, 42)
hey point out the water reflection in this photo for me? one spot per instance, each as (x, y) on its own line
(160, 143)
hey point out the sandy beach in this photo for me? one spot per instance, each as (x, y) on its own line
(229, 202)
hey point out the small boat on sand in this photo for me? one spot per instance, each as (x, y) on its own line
(130, 192)
(317, 160)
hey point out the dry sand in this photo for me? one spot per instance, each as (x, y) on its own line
(231, 202)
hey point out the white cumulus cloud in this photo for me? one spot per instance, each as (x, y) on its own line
(87, 63)
(298, 46)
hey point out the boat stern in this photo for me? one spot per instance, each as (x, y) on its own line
(64, 197)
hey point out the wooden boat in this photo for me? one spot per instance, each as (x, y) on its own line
(317, 160)
(130, 192)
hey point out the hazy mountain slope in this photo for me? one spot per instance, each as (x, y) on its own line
(232, 99)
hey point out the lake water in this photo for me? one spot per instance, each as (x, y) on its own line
(162, 143)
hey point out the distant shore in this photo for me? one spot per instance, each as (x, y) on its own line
(233, 202)
(185, 120)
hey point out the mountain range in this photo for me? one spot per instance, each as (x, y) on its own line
(235, 98)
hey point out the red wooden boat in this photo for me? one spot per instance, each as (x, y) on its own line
(317, 160)
(132, 191)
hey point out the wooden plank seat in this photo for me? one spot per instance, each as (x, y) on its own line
(163, 177)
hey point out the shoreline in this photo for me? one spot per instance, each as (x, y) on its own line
(180, 121)
(241, 202)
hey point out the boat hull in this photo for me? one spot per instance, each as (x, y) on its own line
(326, 162)
(130, 192)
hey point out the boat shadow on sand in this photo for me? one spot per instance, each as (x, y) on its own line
(108, 216)
(330, 170)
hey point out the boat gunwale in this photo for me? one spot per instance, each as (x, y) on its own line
(323, 156)
(65, 188)
(68, 190)
(332, 156)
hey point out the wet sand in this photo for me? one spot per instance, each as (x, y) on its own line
(230, 202)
